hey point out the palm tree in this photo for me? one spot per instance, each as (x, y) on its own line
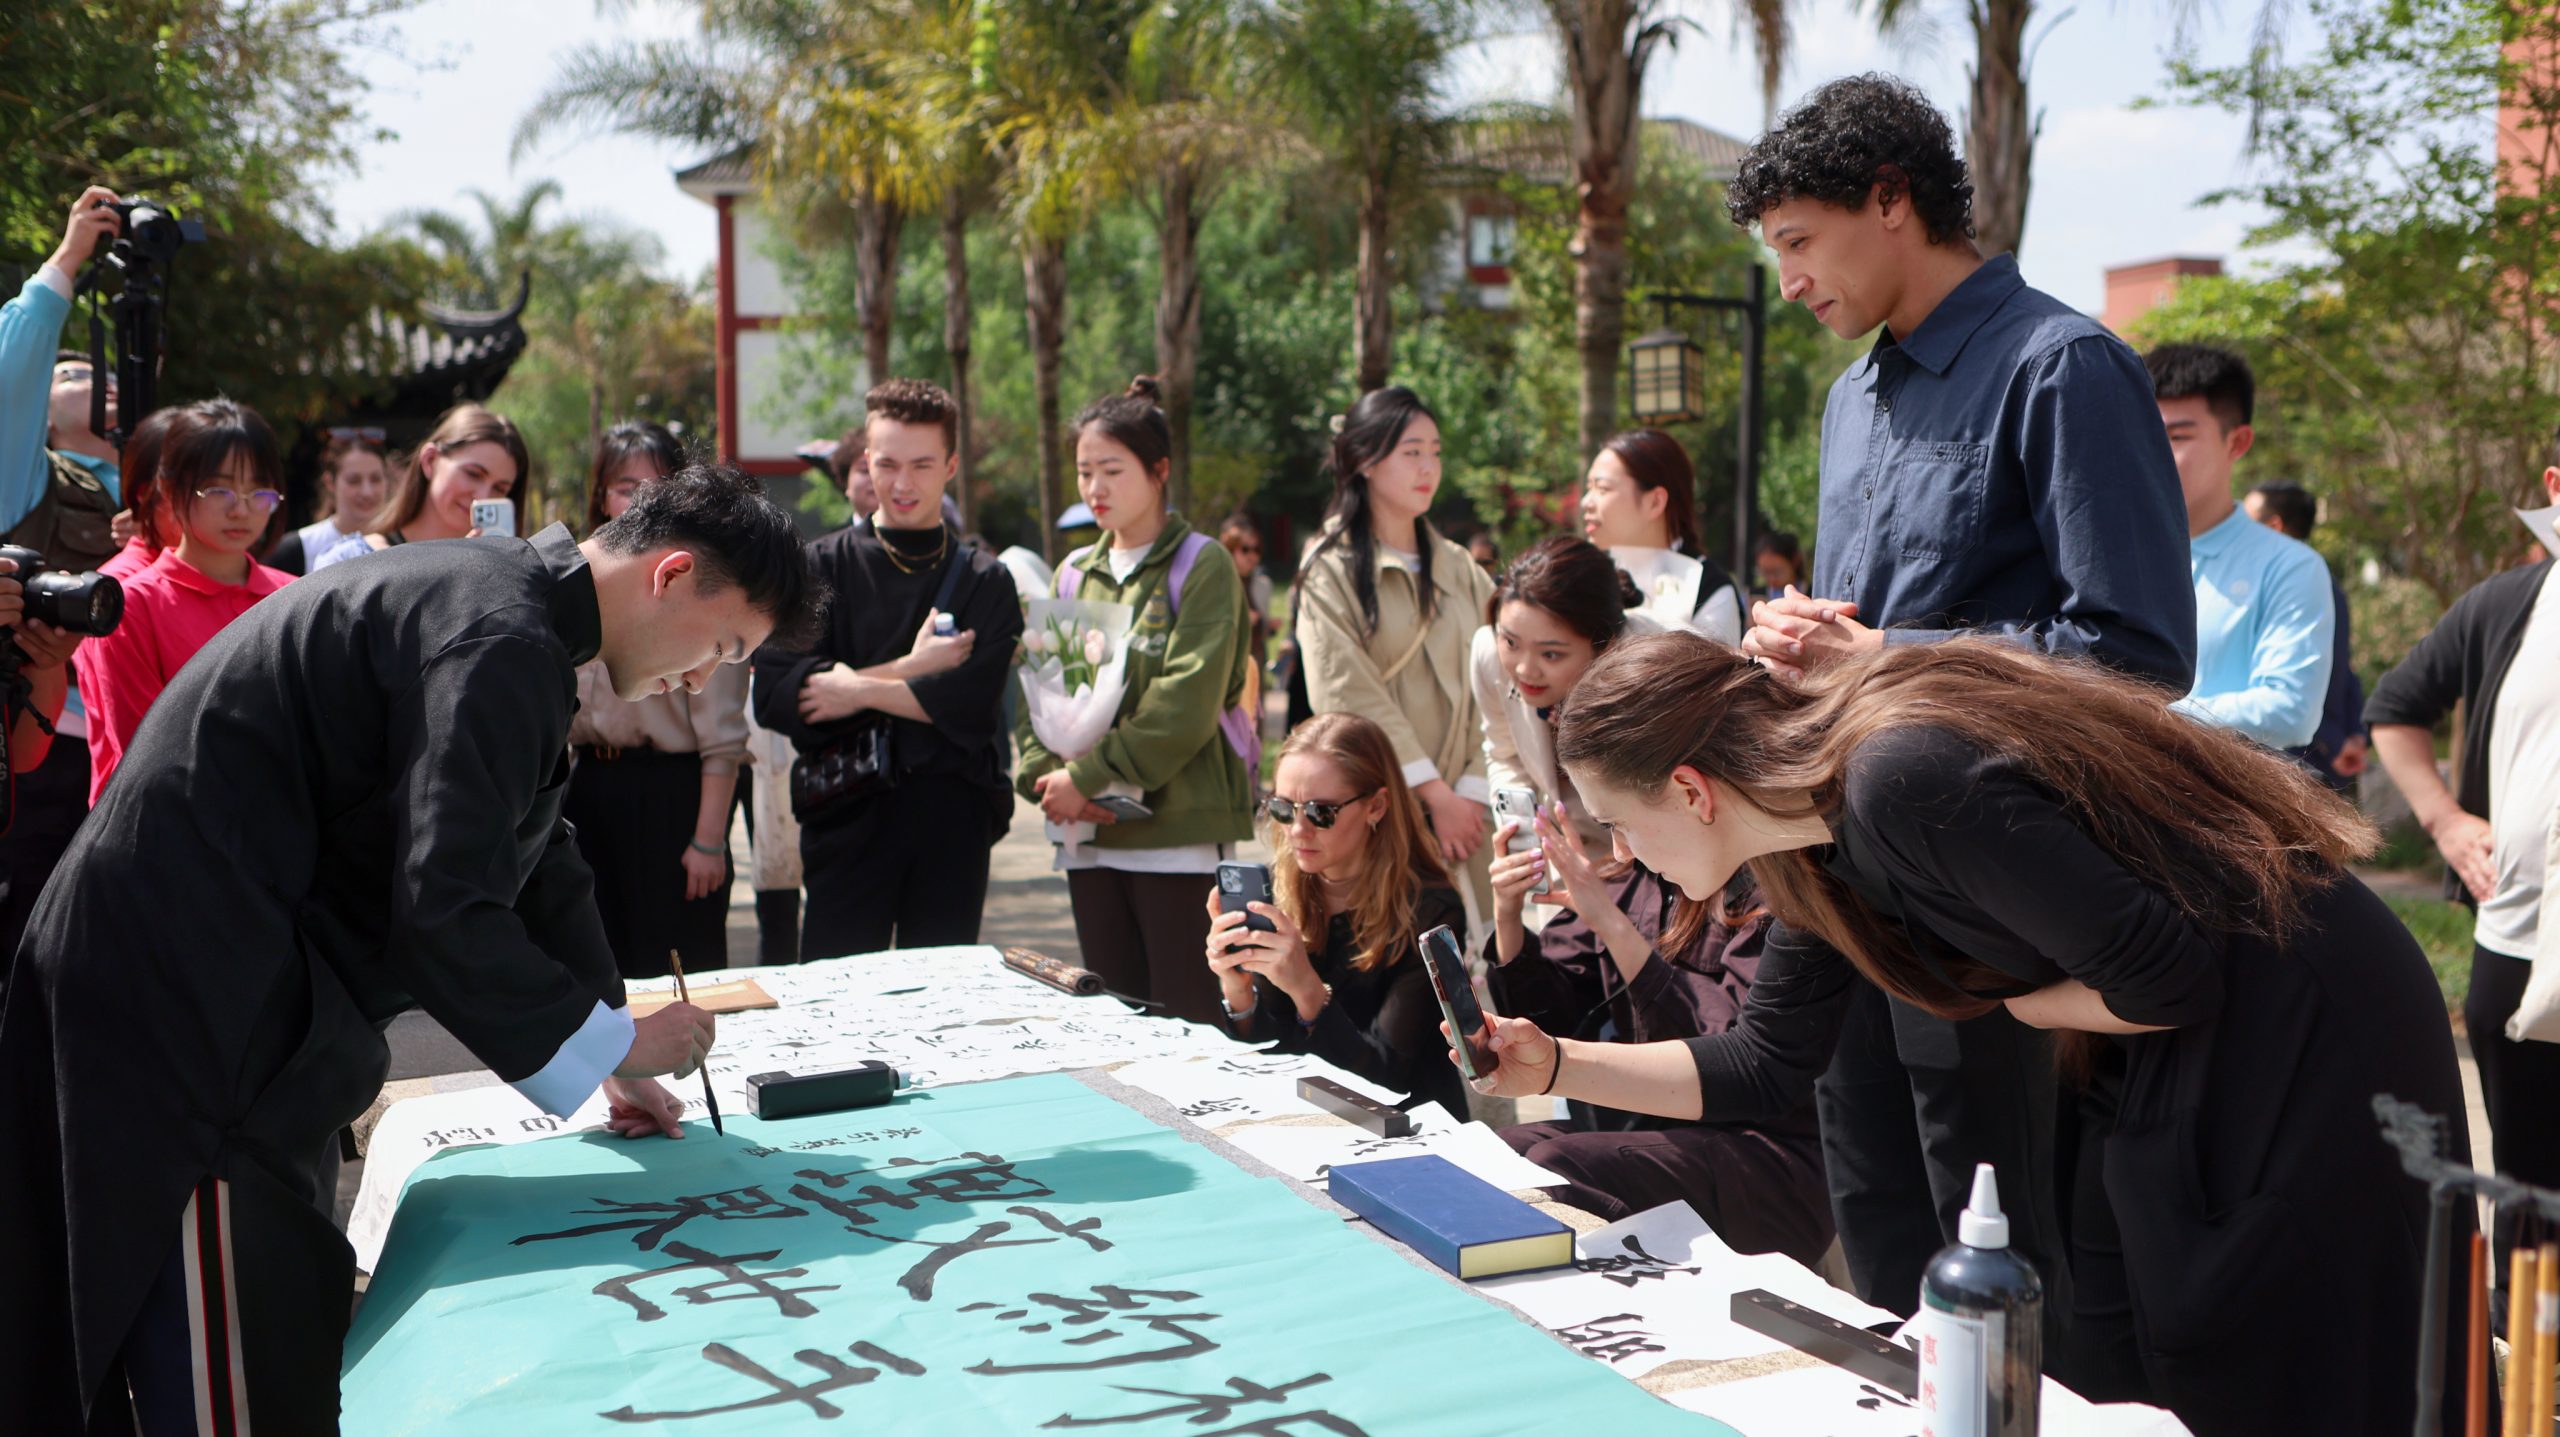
(2001, 126)
(1607, 46)
(1051, 74)
(1197, 120)
(1363, 78)
(797, 78)
(486, 259)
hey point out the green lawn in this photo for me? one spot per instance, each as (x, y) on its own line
(2444, 930)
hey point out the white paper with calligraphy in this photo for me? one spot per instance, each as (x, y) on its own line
(1242, 1087)
(1308, 1152)
(1824, 1401)
(1659, 1288)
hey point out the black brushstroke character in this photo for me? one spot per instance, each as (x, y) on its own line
(1108, 1302)
(1604, 1338)
(839, 1374)
(732, 1273)
(986, 1178)
(1201, 1408)
(1636, 1267)
(918, 1280)
(734, 1205)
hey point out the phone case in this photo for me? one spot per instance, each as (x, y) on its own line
(1243, 883)
(1458, 1005)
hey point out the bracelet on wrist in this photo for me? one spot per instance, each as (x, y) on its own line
(707, 850)
(1555, 1065)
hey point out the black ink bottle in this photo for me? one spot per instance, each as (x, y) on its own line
(1980, 1328)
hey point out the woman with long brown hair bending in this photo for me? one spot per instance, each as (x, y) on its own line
(1968, 825)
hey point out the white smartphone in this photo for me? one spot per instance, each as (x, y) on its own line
(493, 517)
(1520, 806)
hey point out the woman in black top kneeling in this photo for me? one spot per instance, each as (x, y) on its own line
(1353, 864)
(1631, 961)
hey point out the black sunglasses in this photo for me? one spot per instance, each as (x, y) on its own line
(1284, 812)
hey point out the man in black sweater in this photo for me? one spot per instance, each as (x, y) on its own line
(904, 862)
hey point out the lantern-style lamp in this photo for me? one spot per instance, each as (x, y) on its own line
(1669, 375)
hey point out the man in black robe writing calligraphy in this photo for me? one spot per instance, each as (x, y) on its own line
(346, 806)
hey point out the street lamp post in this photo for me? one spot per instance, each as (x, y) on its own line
(1668, 370)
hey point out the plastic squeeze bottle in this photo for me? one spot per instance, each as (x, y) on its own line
(1980, 1328)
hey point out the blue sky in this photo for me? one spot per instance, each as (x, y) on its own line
(2112, 184)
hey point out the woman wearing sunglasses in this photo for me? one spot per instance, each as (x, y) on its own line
(217, 486)
(1353, 866)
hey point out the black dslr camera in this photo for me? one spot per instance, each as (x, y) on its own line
(89, 605)
(147, 243)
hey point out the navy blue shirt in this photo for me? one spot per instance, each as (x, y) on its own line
(2004, 471)
(2342, 713)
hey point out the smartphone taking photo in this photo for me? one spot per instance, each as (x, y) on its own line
(493, 517)
(1472, 1040)
(1519, 806)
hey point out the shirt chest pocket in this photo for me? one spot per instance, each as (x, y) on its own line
(1937, 496)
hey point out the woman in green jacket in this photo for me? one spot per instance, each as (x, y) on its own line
(1136, 886)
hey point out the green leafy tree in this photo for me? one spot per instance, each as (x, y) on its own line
(1365, 80)
(2403, 331)
(1606, 47)
(236, 113)
(607, 338)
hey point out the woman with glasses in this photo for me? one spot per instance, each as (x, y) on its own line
(1358, 880)
(217, 486)
(650, 794)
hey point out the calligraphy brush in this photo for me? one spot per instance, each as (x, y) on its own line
(675, 959)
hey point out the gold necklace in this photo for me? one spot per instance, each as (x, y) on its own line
(941, 551)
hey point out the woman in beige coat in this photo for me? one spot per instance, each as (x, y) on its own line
(1386, 611)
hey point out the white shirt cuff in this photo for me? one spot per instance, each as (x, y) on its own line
(1473, 788)
(55, 280)
(582, 1064)
(1420, 772)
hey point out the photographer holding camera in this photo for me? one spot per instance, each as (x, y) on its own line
(60, 486)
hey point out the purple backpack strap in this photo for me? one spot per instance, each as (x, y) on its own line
(1185, 556)
(1242, 728)
(1069, 576)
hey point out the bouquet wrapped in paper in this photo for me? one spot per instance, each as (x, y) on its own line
(1075, 655)
(1667, 580)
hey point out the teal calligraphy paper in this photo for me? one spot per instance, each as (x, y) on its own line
(1005, 1257)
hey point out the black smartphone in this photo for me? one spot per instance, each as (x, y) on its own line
(1127, 810)
(1243, 883)
(1458, 1005)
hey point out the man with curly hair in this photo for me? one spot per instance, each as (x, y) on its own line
(1994, 465)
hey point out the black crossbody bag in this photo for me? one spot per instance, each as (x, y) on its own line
(862, 760)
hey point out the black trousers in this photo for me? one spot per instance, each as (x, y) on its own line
(1144, 934)
(47, 806)
(634, 814)
(2518, 1082)
(902, 869)
(1760, 1193)
(1911, 1103)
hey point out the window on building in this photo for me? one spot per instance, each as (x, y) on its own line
(1489, 241)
